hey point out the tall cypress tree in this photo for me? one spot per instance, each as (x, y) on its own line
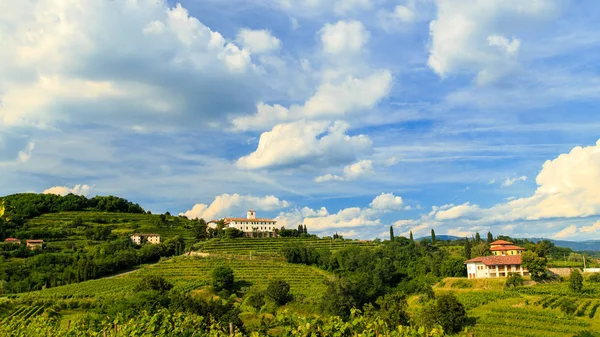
(411, 237)
(391, 233)
(490, 238)
(477, 237)
(305, 230)
(432, 236)
(467, 249)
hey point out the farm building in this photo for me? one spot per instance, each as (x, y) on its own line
(13, 240)
(35, 244)
(138, 239)
(506, 259)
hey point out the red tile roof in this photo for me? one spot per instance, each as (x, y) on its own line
(507, 248)
(497, 260)
(12, 240)
(501, 242)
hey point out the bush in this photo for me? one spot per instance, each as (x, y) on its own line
(575, 281)
(514, 280)
(450, 313)
(393, 309)
(153, 282)
(568, 306)
(256, 300)
(279, 291)
(595, 277)
(222, 278)
(462, 284)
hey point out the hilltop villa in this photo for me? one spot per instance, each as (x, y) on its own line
(13, 240)
(251, 224)
(506, 258)
(150, 238)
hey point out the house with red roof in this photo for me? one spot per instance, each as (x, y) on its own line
(506, 259)
(13, 240)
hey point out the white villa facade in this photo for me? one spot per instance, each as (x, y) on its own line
(252, 224)
(151, 238)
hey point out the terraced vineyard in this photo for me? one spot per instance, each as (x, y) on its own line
(123, 223)
(515, 317)
(270, 246)
(190, 273)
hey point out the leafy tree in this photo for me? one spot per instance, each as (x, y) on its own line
(432, 237)
(490, 238)
(535, 265)
(222, 278)
(575, 281)
(278, 291)
(153, 282)
(338, 299)
(467, 249)
(453, 267)
(450, 313)
(514, 280)
(393, 309)
(480, 249)
(199, 229)
(391, 233)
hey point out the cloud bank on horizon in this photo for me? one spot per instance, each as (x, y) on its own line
(347, 116)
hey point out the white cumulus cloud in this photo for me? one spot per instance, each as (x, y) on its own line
(235, 205)
(511, 181)
(351, 172)
(78, 189)
(306, 143)
(258, 41)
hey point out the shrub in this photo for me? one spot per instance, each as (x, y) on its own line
(595, 277)
(222, 278)
(393, 309)
(450, 313)
(462, 284)
(568, 306)
(154, 282)
(576, 281)
(256, 300)
(514, 280)
(278, 291)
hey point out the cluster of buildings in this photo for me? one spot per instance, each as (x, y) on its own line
(31, 244)
(505, 258)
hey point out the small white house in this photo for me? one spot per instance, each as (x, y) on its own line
(150, 238)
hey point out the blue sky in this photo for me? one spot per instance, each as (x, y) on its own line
(347, 115)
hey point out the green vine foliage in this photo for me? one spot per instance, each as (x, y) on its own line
(166, 324)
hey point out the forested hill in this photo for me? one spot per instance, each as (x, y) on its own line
(17, 208)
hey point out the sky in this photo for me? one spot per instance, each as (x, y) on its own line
(349, 116)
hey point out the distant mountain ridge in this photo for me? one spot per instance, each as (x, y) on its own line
(589, 245)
